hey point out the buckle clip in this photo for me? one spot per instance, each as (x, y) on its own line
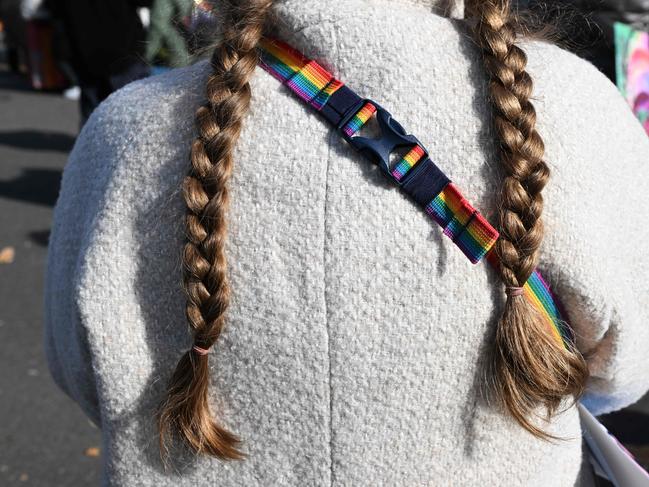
(393, 136)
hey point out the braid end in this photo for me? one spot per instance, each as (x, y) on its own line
(186, 414)
(532, 369)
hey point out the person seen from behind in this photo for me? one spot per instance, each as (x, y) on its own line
(236, 297)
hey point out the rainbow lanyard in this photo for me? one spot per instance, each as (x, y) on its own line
(415, 173)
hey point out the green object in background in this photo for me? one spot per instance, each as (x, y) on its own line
(165, 40)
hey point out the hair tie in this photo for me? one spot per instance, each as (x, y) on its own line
(514, 291)
(200, 351)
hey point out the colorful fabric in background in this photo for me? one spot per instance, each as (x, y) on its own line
(632, 69)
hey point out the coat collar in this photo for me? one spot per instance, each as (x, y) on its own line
(447, 8)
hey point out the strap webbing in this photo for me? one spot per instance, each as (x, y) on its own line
(418, 176)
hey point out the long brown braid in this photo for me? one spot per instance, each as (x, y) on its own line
(186, 412)
(531, 368)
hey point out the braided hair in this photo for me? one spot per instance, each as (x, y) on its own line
(186, 411)
(531, 368)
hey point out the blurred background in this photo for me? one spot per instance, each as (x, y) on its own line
(58, 60)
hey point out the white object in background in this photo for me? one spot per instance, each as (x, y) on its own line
(145, 16)
(29, 9)
(610, 459)
(72, 93)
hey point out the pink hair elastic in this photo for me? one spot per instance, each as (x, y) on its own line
(200, 351)
(514, 291)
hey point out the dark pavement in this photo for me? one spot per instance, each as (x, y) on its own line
(45, 440)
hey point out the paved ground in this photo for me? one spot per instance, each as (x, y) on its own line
(44, 437)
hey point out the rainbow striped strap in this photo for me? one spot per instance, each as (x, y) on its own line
(538, 292)
(462, 223)
(415, 172)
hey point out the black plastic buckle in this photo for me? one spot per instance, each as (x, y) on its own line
(393, 136)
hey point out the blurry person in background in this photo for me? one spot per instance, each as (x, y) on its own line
(14, 32)
(165, 42)
(106, 43)
(14, 15)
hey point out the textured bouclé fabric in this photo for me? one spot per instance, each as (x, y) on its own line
(358, 339)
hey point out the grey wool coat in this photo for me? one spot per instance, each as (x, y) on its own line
(357, 341)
